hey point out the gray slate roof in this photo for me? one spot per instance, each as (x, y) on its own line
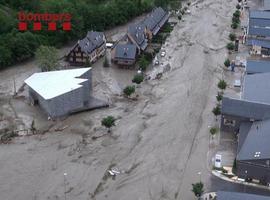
(156, 19)
(256, 88)
(258, 21)
(259, 14)
(245, 109)
(125, 51)
(137, 33)
(92, 41)
(257, 140)
(259, 42)
(222, 195)
(257, 66)
(243, 132)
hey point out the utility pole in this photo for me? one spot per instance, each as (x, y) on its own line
(65, 174)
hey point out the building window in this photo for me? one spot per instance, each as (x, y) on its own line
(229, 122)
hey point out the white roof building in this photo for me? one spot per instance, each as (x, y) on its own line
(55, 83)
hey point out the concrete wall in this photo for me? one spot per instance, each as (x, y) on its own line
(255, 170)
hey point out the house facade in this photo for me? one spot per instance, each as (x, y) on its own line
(89, 49)
(60, 93)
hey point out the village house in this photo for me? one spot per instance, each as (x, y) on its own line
(249, 118)
(89, 49)
(258, 32)
(124, 54)
(62, 92)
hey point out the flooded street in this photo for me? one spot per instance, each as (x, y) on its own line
(160, 142)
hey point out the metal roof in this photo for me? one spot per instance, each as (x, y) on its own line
(259, 31)
(125, 51)
(256, 88)
(154, 18)
(258, 66)
(266, 4)
(259, 42)
(245, 109)
(243, 132)
(256, 145)
(259, 14)
(137, 32)
(55, 83)
(222, 195)
(92, 41)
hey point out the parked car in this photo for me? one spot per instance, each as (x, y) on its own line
(218, 161)
(163, 53)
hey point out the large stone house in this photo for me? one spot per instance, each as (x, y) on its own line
(89, 49)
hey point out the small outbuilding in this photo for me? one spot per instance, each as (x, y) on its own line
(124, 54)
(62, 92)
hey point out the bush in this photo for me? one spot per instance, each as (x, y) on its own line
(234, 25)
(227, 62)
(236, 20)
(197, 189)
(222, 84)
(230, 46)
(219, 97)
(238, 6)
(189, 3)
(213, 131)
(237, 14)
(108, 122)
(216, 110)
(138, 78)
(129, 90)
(179, 17)
(232, 36)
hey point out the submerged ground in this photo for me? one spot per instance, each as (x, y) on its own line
(160, 142)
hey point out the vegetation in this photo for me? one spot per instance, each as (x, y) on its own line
(108, 122)
(230, 46)
(138, 78)
(213, 131)
(237, 14)
(47, 58)
(216, 110)
(129, 90)
(219, 97)
(227, 62)
(234, 166)
(197, 189)
(238, 6)
(86, 15)
(222, 84)
(143, 62)
(232, 36)
(234, 25)
(179, 17)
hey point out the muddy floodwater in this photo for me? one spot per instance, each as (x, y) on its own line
(160, 141)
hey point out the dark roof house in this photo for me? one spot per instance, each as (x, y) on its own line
(124, 54)
(156, 19)
(259, 23)
(136, 34)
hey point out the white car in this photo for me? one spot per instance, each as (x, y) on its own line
(163, 53)
(218, 161)
(188, 11)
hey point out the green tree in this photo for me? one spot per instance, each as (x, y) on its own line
(219, 97)
(234, 25)
(232, 36)
(227, 62)
(143, 62)
(213, 131)
(108, 122)
(216, 111)
(47, 58)
(129, 90)
(197, 189)
(138, 78)
(222, 84)
(230, 46)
